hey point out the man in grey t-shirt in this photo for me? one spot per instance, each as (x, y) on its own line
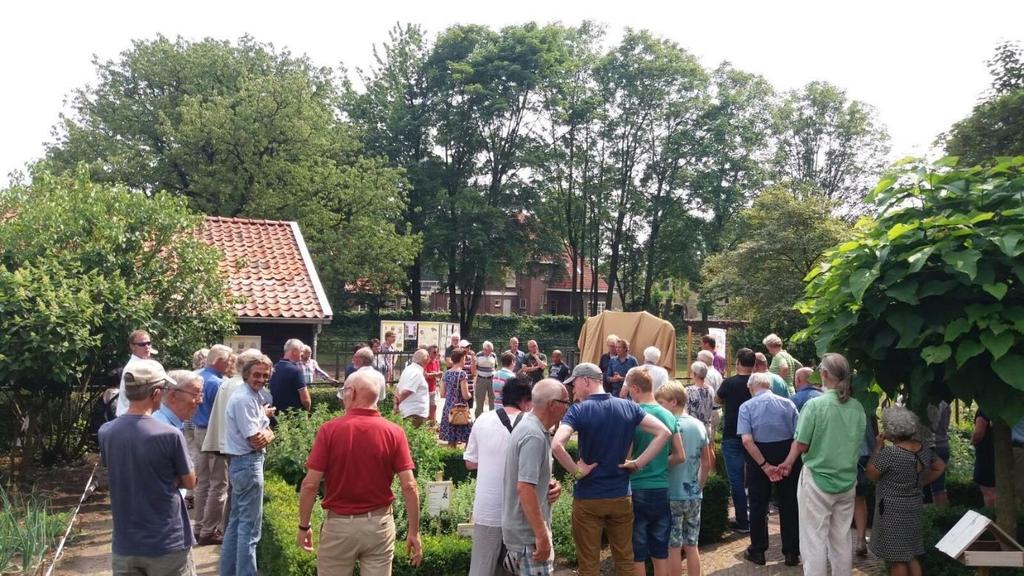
(526, 519)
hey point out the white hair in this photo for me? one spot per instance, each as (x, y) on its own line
(772, 340)
(652, 355)
(217, 352)
(759, 380)
(183, 378)
(706, 356)
(699, 369)
(487, 344)
(420, 356)
(292, 344)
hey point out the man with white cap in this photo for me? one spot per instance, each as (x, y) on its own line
(147, 463)
(140, 344)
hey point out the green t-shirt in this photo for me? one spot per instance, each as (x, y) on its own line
(833, 432)
(655, 474)
(781, 358)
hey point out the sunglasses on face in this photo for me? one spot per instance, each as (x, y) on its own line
(144, 344)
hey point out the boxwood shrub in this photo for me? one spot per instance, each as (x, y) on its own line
(277, 553)
(714, 509)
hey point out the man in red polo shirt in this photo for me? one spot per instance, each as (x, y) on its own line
(357, 456)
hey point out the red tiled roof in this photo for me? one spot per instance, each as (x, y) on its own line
(268, 266)
(563, 279)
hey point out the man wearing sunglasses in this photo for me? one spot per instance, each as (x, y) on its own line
(141, 347)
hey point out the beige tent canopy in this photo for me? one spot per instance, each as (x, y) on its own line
(641, 329)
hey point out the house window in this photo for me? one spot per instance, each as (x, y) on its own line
(522, 303)
(554, 306)
(510, 279)
(600, 306)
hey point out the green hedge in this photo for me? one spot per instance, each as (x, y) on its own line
(277, 553)
(561, 473)
(714, 509)
(327, 395)
(455, 465)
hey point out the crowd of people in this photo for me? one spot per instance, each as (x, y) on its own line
(196, 439)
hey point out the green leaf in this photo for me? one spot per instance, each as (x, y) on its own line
(918, 259)
(900, 229)
(1010, 369)
(936, 287)
(957, 328)
(997, 344)
(860, 280)
(904, 292)
(997, 290)
(847, 246)
(907, 324)
(936, 354)
(1010, 243)
(968, 349)
(965, 261)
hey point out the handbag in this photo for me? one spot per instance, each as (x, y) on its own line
(458, 415)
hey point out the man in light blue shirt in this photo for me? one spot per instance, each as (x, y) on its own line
(248, 433)
(179, 401)
(767, 425)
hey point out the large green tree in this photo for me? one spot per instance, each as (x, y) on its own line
(81, 265)
(996, 125)
(829, 145)
(927, 299)
(239, 129)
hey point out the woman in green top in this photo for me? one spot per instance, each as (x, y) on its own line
(828, 435)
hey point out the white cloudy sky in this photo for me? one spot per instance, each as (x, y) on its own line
(920, 63)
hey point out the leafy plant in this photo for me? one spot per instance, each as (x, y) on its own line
(27, 530)
(926, 300)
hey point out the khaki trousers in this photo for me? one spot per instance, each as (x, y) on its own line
(211, 493)
(825, 533)
(589, 518)
(365, 538)
(170, 564)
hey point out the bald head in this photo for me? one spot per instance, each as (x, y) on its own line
(802, 378)
(362, 388)
(760, 362)
(547, 390)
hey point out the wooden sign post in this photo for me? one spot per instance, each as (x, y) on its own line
(977, 541)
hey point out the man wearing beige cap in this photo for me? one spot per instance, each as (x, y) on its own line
(147, 463)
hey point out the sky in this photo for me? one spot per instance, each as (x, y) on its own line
(921, 64)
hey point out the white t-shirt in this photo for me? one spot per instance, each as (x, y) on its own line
(488, 442)
(122, 398)
(414, 379)
(713, 378)
(380, 381)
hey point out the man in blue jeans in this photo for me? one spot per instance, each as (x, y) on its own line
(732, 394)
(248, 434)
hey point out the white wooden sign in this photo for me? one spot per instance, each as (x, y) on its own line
(966, 531)
(439, 496)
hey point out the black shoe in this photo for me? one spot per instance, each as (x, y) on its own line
(755, 557)
(792, 559)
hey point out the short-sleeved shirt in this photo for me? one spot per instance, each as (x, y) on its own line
(804, 394)
(217, 431)
(718, 363)
(655, 474)
(485, 364)
(684, 479)
(604, 427)
(700, 404)
(734, 393)
(559, 372)
(767, 417)
(620, 367)
(413, 380)
(784, 358)
(833, 432)
(285, 383)
(535, 375)
(714, 378)
(520, 358)
(359, 453)
(779, 386)
(144, 459)
(165, 415)
(658, 375)
(211, 384)
(432, 367)
(528, 460)
(487, 447)
(243, 417)
(498, 384)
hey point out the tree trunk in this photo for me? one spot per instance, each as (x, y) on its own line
(1006, 502)
(415, 291)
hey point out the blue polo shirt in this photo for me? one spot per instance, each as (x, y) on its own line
(285, 383)
(211, 384)
(767, 417)
(804, 394)
(604, 426)
(165, 415)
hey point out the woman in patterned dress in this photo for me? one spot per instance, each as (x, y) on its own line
(455, 390)
(701, 402)
(901, 469)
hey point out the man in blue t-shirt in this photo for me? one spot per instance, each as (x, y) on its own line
(287, 384)
(604, 427)
(147, 464)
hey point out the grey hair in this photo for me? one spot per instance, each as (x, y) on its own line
(420, 356)
(772, 340)
(706, 356)
(217, 351)
(545, 391)
(839, 374)
(306, 349)
(759, 380)
(487, 344)
(199, 358)
(699, 369)
(292, 344)
(900, 423)
(245, 356)
(182, 378)
(366, 355)
(652, 354)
